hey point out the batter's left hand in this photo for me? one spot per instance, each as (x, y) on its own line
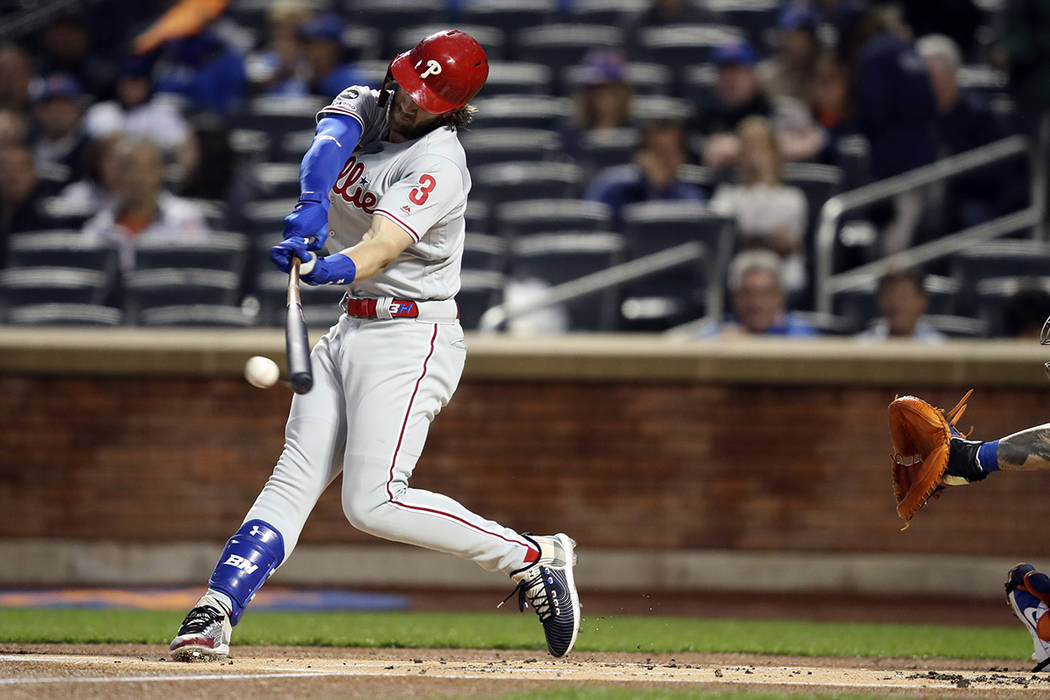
(309, 220)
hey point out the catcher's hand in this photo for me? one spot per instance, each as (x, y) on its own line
(921, 436)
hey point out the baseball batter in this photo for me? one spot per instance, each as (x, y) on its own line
(385, 183)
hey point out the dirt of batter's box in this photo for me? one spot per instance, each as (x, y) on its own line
(126, 671)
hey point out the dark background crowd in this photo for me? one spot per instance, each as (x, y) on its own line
(149, 152)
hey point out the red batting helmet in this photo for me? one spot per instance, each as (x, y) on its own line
(443, 72)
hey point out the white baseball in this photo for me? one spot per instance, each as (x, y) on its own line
(261, 371)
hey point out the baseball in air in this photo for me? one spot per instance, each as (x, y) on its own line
(261, 371)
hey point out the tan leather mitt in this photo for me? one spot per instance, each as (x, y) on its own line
(921, 436)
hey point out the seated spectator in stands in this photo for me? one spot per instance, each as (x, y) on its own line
(758, 300)
(142, 208)
(1024, 313)
(661, 13)
(65, 46)
(330, 73)
(654, 174)
(895, 110)
(604, 97)
(95, 191)
(136, 112)
(20, 194)
(737, 95)
(13, 127)
(768, 213)
(280, 67)
(61, 142)
(789, 72)
(902, 302)
(966, 121)
(16, 79)
(203, 69)
(829, 103)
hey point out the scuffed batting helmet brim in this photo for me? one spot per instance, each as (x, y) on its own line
(410, 82)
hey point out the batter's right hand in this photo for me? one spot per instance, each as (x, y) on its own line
(309, 220)
(296, 247)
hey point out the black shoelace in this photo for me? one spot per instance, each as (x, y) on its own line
(198, 619)
(537, 592)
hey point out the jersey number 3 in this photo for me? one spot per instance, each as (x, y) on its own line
(419, 195)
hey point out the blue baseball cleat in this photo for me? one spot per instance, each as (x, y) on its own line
(547, 585)
(1027, 591)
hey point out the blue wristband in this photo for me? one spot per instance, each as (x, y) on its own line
(334, 269)
(988, 456)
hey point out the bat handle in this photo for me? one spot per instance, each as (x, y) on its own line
(293, 283)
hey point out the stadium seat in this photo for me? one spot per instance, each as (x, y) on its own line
(61, 248)
(65, 315)
(699, 175)
(827, 324)
(488, 146)
(63, 214)
(522, 112)
(680, 45)
(644, 78)
(563, 256)
(757, 18)
(197, 315)
(661, 107)
(858, 306)
(508, 15)
(479, 291)
(477, 216)
(517, 78)
(614, 12)
(818, 182)
(292, 146)
(483, 252)
(266, 217)
(280, 114)
(510, 182)
(320, 303)
(1000, 258)
(53, 285)
(492, 39)
(214, 211)
(993, 294)
(364, 43)
(532, 216)
(146, 289)
(277, 180)
(958, 326)
(213, 251)
(698, 84)
(390, 17)
(607, 148)
(563, 45)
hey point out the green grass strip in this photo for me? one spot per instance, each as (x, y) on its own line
(521, 631)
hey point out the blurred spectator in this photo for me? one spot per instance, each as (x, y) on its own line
(603, 100)
(61, 142)
(966, 121)
(204, 70)
(758, 300)
(737, 95)
(788, 74)
(66, 47)
(280, 67)
(20, 195)
(136, 112)
(330, 73)
(829, 102)
(902, 302)
(661, 13)
(16, 78)
(1024, 313)
(959, 19)
(768, 213)
(13, 127)
(654, 174)
(142, 208)
(896, 111)
(95, 191)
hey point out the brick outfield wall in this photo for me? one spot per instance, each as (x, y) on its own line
(658, 466)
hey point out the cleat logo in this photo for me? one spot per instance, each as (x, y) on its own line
(241, 563)
(1031, 616)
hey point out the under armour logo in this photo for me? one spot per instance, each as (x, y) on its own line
(433, 68)
(255, 530)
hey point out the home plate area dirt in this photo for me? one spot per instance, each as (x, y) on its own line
(136, 671)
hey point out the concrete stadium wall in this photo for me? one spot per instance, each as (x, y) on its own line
(720, 455)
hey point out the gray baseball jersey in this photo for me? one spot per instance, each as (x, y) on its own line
(421, 185)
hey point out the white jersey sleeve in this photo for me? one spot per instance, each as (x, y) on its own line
(432, 189)
(361, 103)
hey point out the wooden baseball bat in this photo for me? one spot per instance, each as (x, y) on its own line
(296, 340)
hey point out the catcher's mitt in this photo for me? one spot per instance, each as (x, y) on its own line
(921, 436)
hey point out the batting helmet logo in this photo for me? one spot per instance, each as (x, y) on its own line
(441, 73)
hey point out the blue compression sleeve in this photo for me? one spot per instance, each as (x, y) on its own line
(335, 139)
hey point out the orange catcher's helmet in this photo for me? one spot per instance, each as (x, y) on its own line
(443, 72)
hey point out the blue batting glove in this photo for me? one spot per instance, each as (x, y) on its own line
(282, 254)
(309, 220)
